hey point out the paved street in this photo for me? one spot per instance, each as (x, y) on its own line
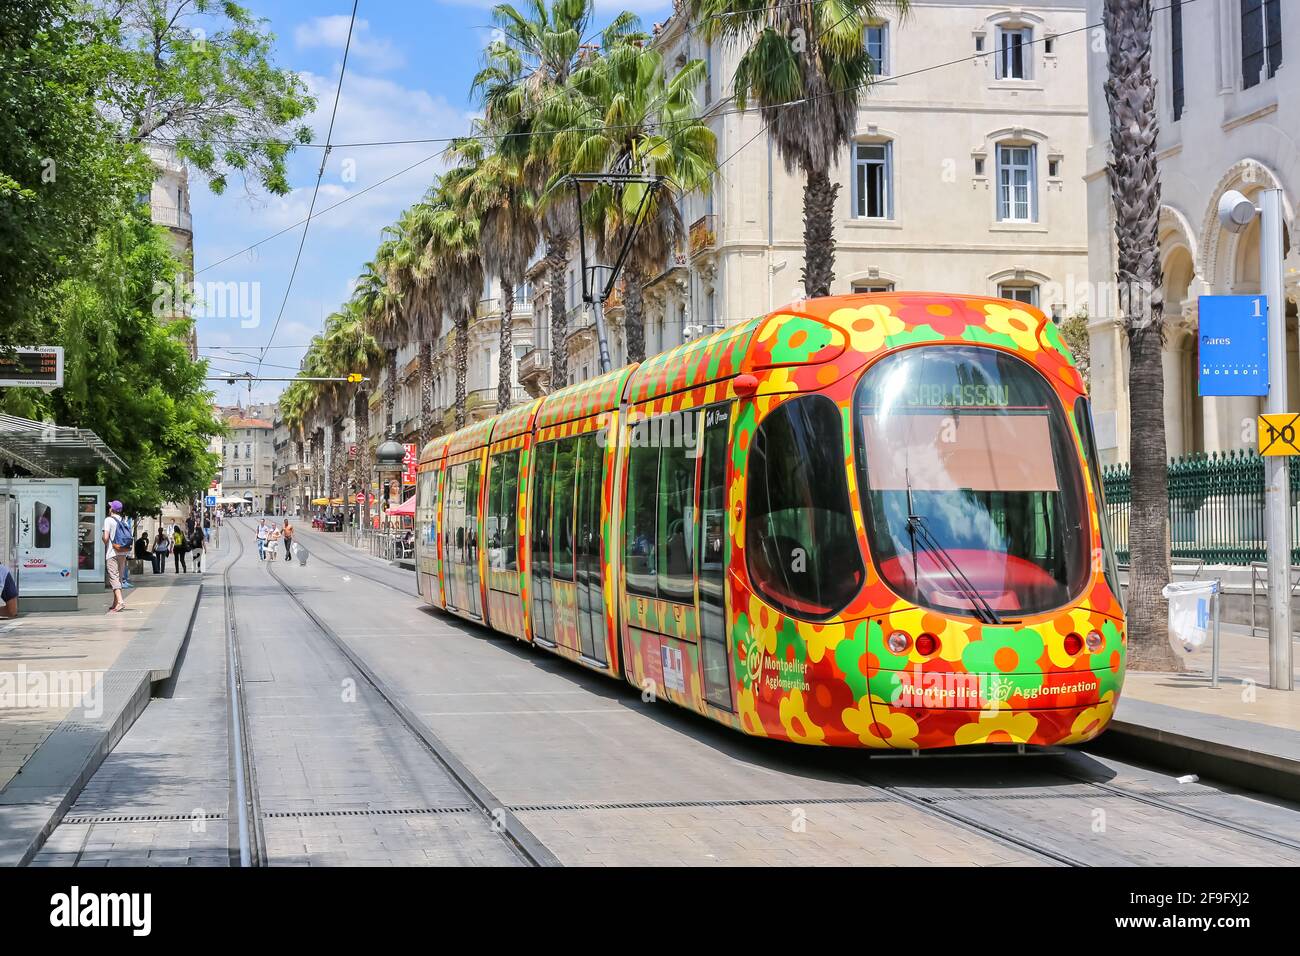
(590, 772)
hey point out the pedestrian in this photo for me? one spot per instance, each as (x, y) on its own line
(162, 546)
(287, 534)
(207, 527)
(272, 543)
(180, 545)
(197, 543)
(262, 532)
(8, 592)
(117, 545)
(142, 547)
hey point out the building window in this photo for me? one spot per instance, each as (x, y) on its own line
(248, 449)
(1054, 168)
(1176, 56)
(877, 43)
(1019, 292)
(236, 451)
(1017, 190)
(1261, 40)
(872, 285)
(872, 180)
(979, 43)
(1013, 52)
(1049, 45)
(979, 165)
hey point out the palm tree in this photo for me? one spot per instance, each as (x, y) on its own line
(457, 271)
(409, 278)
(806, 66)
(646, 123)
(352, 349)
(1135, 198)
(495, 189)
(523, 71)
(379, 301)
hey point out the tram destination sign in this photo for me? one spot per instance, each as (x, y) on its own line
(35, 367)
(1233, 345)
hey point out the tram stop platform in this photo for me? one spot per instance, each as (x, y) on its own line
(1241, 732)
(71, 684)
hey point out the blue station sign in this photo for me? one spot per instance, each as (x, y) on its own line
(1232, 347)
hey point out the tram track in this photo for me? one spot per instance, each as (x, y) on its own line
(497, 814)
(362, 574)
(248, 842)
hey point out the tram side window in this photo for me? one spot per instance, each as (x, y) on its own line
(503, 487)
(566, 460)
(712, 556)
(800, 544)
(642, 498)
(676, 522)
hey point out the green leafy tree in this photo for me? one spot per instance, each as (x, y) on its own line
(198, 76)
(63, 173)
(127, 375)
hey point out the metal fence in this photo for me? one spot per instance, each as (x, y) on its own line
(1216, 507)
(389, 544)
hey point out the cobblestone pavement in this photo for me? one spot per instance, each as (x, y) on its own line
(598, 775)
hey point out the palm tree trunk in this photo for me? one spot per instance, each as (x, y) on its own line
(557, 256)
(506, 347)
(634, 317)
(301, 495)
(462, 366)
(1135, 196)
(426, 393)
(390, 391)
(361, 414)
(819, 195)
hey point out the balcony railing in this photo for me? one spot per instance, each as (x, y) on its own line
(165, 215)
(703, 235)
(487, 398)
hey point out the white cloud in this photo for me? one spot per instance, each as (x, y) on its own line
(331, 33)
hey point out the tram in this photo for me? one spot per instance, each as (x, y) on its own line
(871, 521)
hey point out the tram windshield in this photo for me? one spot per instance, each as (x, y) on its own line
(969, 447)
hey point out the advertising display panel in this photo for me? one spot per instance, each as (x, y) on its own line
(48, 528)
(90, 542)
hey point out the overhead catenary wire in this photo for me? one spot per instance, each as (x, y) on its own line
(320, 174)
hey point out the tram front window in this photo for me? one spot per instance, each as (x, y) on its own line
(970, 445)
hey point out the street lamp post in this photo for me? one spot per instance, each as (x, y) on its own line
(1236, 212)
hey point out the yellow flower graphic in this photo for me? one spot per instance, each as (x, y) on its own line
(868, 326)
(820, 638)
(1006, 726)
(1092, 720)
(749, 714)
(799, 727)
(900, 728)
(1017, 323)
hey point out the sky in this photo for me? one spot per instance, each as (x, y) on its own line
(408, 77)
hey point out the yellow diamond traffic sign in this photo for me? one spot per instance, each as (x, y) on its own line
(1279, 434)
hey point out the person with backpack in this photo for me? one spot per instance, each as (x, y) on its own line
(180, 545)
(162, 546)
(118, 541)
(197, 541)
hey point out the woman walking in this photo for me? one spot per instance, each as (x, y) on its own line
(162, 546)
(272, 542)
(179, 548)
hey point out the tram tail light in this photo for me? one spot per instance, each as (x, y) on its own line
(1073, 643)
(1095, 641)
(927, 644)
(899, 642)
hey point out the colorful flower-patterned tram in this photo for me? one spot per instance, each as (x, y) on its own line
(859, 521)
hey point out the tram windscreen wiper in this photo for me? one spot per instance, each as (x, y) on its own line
(920, 533)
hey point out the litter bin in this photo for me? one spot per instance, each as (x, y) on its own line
(1194, 619)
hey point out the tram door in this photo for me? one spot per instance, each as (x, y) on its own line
(540, 542)
(460, 538)
(587, 545)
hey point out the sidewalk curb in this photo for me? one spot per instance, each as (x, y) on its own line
(36, 800)
(1266, 773)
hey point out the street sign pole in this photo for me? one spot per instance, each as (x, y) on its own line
(1276, 477)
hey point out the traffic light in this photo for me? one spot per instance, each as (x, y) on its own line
(354, 377)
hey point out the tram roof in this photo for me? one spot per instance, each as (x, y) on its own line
(516, 421)
(693, 364)
(592, 397)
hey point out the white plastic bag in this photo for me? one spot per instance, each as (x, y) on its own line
(1190, 614)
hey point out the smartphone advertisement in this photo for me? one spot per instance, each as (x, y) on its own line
(90, 538)
(48, 531)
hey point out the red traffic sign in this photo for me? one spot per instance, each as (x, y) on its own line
(361, 498)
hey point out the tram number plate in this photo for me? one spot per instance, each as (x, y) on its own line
(1279, 434)
(674, 672)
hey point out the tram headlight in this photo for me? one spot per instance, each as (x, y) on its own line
(899, 642)
(1095, 641)
(1073, 643)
